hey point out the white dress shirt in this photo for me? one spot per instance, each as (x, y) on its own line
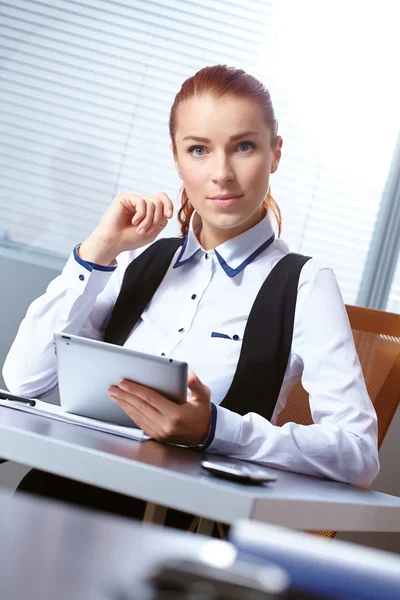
(212, 292)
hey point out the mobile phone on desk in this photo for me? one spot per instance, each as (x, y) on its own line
(245, 473)
(4, 395)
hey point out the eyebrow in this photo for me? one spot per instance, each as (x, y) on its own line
(231, 139)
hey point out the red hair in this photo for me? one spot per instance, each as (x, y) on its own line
(221, 80)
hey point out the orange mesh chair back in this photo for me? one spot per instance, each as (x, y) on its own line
(377, 340)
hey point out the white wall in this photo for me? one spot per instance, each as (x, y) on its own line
(25, 281)
(22, 282)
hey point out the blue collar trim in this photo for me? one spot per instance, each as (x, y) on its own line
(233, 272)
(179, 263)
(228, 270)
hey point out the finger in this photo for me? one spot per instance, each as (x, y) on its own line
(147, 408)
(198, 388)
(158, 228)
(147, 222)
(159, 220)
(136, 389)
(130, 202)
(138, 418)
(159, 217)
(155, 428)
(149, 396)
(192, 378)
(139, 206)
(167, 203)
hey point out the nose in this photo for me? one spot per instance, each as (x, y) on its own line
(221, 168)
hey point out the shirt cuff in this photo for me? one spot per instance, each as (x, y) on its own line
(213, 424)
(228, 431)
(82, 279)
(89, 265)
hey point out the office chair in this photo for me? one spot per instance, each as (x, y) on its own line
(377, 340)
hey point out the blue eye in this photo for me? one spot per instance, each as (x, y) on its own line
(245, 146)
(192, 150)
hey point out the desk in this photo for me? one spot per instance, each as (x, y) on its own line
(48, 551)
(172, 476)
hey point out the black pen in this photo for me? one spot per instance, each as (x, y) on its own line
(7, 396)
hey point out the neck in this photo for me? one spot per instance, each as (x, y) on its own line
(210, 237)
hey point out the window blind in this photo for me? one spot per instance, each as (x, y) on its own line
(86, 90)
(85, 85)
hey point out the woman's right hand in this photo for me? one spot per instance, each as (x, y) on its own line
(130, 222)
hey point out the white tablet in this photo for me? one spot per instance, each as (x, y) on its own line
(87, 368)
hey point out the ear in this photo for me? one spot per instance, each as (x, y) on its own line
(277, 153)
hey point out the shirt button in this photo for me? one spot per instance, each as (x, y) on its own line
(207, 256)
(82, 277)
(181, 330)
(194, 296)
(235, 337)
(162, 353)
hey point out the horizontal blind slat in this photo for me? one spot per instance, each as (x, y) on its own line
(90, 204)
(104, 27)
(213, 52)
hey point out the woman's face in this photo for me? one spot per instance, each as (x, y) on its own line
(224, 156)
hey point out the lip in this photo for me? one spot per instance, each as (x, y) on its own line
(225, 197)
(225, 201)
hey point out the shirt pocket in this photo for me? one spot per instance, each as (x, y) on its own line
(221, 350)
(232, 335)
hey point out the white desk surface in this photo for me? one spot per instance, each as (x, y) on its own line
(172, 476)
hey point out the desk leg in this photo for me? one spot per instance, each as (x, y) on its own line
(154, 513)
(205, 526)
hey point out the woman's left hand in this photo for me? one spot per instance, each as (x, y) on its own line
(163, 420)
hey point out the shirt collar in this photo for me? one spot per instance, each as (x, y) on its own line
(233, 255)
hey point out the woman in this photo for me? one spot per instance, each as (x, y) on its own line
(199, 292)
